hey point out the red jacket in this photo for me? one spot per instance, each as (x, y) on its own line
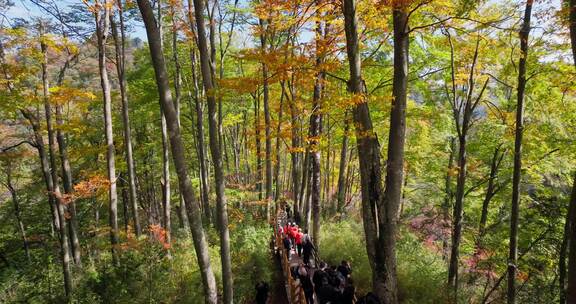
(298, 238)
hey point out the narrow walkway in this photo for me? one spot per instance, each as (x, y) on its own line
(294, 291)
(278, 287)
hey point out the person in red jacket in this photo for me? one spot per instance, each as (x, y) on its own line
(293, 232)
(298, 241)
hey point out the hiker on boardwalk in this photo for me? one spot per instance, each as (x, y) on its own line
(298, 241)
(287, 245)
(348, 292)
(307, 247)
(345, 269)
(304, 274)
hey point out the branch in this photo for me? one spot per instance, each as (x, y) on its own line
(6, 149)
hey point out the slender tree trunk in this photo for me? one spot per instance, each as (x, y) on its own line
(258, 146)
(342, 167)
(516, 177)
(215, 149)
(304, 183)
(120, 43)
(491, 190)
(55, 190)
(563, 255)
(177, 148)
(204, 176)
(267, 124)
(102, 33)
(571, 216)
(278, 157)
(314, 132)
(67, 174)
(17, 211)
(166, 194)
(462, 117)
(449, 193)
(165, 181)
(295, 154)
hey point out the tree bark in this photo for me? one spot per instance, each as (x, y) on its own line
(314, 131)
(17, 212)
(342, 168)
(380, 207)
(571, 288)
(215, 149)
(55, 190)
(278, 157)
(102, 33)
(120, 43)
(449, 194)
(517, 175)
(204, 176)
(177, 148)
(165, 181)
(267, 123)
(66, 170)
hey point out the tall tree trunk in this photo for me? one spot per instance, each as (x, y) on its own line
(204, 176)
(120, 43)
(314, 132)
(462, 116)
(258, 146)
(66, 170)
(267, 124)
(295, 153)
(102, 33)
(380, 207)
(55, 190)
(278, 156)
(165, 181)
(166, 194)
(449, 193)
(17, 212)
(571, 216)
(177, 148)
(516, 177)
(215, 149)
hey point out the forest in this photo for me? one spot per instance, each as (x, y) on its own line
(160, 151)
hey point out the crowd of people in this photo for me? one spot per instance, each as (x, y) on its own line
(321, 284)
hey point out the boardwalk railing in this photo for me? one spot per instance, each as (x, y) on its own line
(293, 287)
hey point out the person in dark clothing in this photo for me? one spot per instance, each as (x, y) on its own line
(307, 248)
(348, 292)
(262, 290)
(306, 282)
(345, 269)
(327, 293)
(320, 275)
(287, 246)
